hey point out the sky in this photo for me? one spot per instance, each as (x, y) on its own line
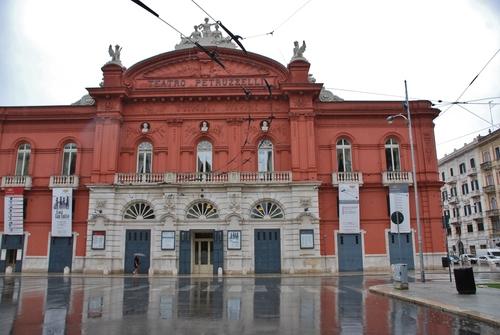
(52, 50)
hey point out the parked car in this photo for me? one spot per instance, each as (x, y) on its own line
(454, 259)
(468, 257)
(487, 260)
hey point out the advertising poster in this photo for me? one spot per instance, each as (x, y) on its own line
(62, 200)
(399, 201)
(349, 208)
(14, 208)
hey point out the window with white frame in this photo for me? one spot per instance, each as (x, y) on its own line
(204, 154)
(478, 207)
(474, 185)
(497, 153)
(23, 159)
(392, 155)
(344, 156)
(489, 178)
(69, 159)
(472, 163)
(144, 157)
(266, 161)
(494, 204)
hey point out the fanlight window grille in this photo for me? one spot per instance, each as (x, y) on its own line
(266, 210)
(202, 210)
(139, 211)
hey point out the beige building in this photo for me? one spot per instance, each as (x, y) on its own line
(470, 194)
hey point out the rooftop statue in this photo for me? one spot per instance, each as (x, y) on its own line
(115, 54)
(298, 52)
(207, 37)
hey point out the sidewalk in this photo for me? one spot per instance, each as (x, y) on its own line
(443, 295)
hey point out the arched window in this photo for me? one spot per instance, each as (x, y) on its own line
(392, 155)
(266, 163)
(202, 210)
(344, 156)
(267, 210)
(204, 157)
(69, 159)
(23, 159)
(144, 156)
(139, 211)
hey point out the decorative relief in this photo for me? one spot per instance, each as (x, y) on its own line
(169, 203)
(300, 102)
(108, 106)
(160, 131)
(191, 130)
(101, 203)
(234, 121)
(305, 202)
(155, 109)
(175, 122)
(195, 108)
(234, 203)
(218, 131)
(427, 135)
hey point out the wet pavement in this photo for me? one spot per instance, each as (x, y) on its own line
(129, 304)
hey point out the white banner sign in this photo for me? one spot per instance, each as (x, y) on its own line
(14, 207)
(349, 209)
(62, 200)
(400, 209)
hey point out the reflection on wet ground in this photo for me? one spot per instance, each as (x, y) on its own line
(263, 305)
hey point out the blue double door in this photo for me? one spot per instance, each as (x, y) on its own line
(401, 249)
(137, 241)
(350, 252)
(267, 244)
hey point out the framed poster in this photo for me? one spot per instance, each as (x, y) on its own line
(168, 240)
(306, 239)
(234, 239)
(98, 240)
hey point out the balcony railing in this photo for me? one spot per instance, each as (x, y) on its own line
(347, 178)
(485, 166)
(203, 177)
(489, 189)
(64, 181)
(397, 177)
(472, 172)
(16, 181)
(493, 213)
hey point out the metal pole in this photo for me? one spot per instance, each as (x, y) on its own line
(415, 188)
(399, 238)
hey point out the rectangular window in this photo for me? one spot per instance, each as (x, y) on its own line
(497, 153)
(462, 168)
(474, 185)
(453, 191)
(469, 228)
(442, 176)
(472, 163)
(444, 195)
(467, 210)
(478, 207)
(451, 172)
(465, 189)
(480, 226)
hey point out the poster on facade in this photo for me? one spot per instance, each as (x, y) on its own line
(98, 240)
(349, 209)
(62, 203)
(14, 208)
(234, 239)
(399, 202)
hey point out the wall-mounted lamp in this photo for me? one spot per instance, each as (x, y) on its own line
(307, 211)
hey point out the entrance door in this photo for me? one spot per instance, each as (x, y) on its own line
(61, 253)
(267, 251)
(406, 249)
(203, 253)
(13, 246)
(137, 242)
(350, 252)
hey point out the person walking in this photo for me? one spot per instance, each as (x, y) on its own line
(137, 262)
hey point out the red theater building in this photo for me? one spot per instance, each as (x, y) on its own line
(216, 162)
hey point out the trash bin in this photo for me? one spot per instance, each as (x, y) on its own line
(464, 280)
(445, 261)
(401, 276)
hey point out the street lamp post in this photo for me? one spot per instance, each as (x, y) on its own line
(415, 185)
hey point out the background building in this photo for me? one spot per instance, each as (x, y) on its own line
(470, 194)
(207, 159)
